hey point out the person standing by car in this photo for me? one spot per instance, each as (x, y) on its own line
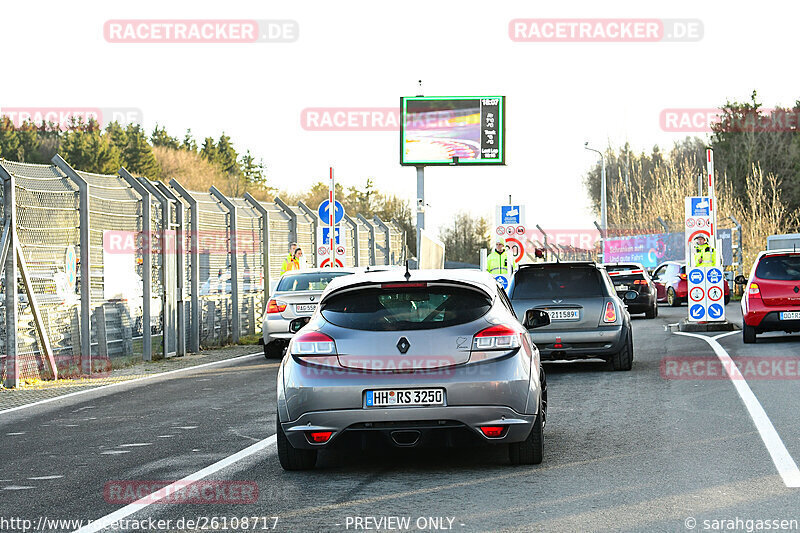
(704, 255)
(497, 261)
(289, 258)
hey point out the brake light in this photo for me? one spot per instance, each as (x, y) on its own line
(640, 282)
(682, 276)
(417, 285)
(275, 306)
(498, 337)
(318, 437)
(494, 432)
(753, 290)
(611, 313)
(313, 343)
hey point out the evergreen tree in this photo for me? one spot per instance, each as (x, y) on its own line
(138, 155)
(160, 137)
(28, 136)
(209, 150)
(189, 142)
(9, 140)
(117, 135)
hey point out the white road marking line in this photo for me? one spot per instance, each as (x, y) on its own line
(15, 433)
(786, 466)
(135, 444)
(164, 436)
(18, 487)
(76, 393)
(184, 427)
(114, 452)
(43, 478)
(119, 514)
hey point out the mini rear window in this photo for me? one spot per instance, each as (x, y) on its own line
(405, 308)
(309, 281)
(557, 282)
(779, 268)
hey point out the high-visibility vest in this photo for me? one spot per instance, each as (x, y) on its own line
(705, 255)
(290, 263)
(497, 264)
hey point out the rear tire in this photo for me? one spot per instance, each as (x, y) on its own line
(292, 458)
(273, 349)
(653, 312)
(531, 450)
(727, 299)
(748, 334)
(623, 359)
(672, 298)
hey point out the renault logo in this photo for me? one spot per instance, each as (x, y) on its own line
(403, 345)
(796, 289)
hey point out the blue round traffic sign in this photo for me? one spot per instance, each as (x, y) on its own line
(696, 276)
(697, 311)
(502, 281)
(714, 275)
(715, 311)
(324, 214)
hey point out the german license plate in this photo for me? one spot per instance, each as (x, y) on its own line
(404, 397)
(305, 308)
(564, 314)
(790, 315)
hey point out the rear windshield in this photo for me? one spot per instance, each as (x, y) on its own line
(779, 267)
(557, 282)
(405, 308)
(309, 281)
(620, 274)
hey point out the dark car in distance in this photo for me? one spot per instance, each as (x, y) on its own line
(633, 277)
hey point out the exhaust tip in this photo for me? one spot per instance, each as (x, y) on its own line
(405, 437)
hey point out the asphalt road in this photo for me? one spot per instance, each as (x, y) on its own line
(624, 451)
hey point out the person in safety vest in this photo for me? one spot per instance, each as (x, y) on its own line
(497, 261)
(287, 263)
(704, 255)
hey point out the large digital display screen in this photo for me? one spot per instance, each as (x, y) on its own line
(447, 130)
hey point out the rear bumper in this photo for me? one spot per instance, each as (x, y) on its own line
(767, 320)
(579, 344)
(642, 303)
(409, 426)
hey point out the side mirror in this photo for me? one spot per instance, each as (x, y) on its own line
(536, 318)
(740, 280)
(631, 295)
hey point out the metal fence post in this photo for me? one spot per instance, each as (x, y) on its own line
(371, 228)
(147, 265)
(403, 246)
(264, 240)
(194, 266)
(10, 215)
(354, 227)
(387, 239)
(180, 252)
(292, 216)
(315, 218)
(85, 287)
(236, 330)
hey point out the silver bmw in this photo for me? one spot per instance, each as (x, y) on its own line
(428, 357)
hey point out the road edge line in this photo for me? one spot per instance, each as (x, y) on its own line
(783, 461)
(143, 378)
(109, 519)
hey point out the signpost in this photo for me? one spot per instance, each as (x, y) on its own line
(330, 252)
(510, 226)
(705, 283)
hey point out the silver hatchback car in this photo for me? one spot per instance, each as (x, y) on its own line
(295, 298)
(430, 357)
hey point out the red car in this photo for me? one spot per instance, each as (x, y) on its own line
(771, 300)
(671, 285)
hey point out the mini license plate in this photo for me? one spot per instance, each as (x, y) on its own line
(564, 314)
(622, 287)
(405, 397)
(790, 315)
(305, 308)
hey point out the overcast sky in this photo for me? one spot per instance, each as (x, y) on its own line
(368, 54)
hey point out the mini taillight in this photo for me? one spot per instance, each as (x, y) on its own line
(611, 313)
(494, 432)
(753, 290)
(275, 306)
(313, 343)
(318, 437)
(496, 338)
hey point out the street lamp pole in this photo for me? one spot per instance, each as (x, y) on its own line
(603, 210)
